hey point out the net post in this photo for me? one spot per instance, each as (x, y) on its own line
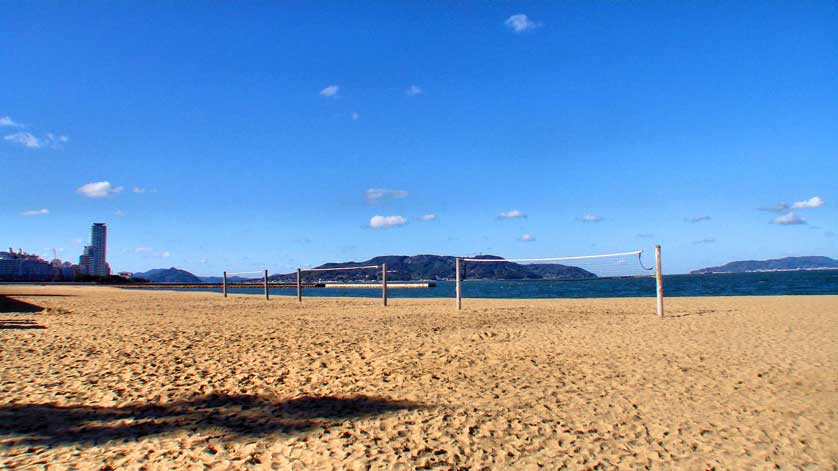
(659, 280)
(299, 286)
(224, 284)
(267, 296)
(457, 287)
(384, 283)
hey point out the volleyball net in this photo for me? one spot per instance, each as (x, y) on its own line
(261, 278)
(569, 268)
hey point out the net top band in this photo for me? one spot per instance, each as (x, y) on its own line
(340, 268)
(550, 259)
(243, 272)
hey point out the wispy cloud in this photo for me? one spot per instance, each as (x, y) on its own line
(380, 195)
(645, 236)
(695, 219)
(427, 217)
(589, 218)
(138, 189)
(778, 208)
(98, 189)
(330, 91)
(413, 90)
(29, 140)
(25, 139)
(384, 222)
(813, 202)
(151, 252)
(35, 212)
(8, 121)
(708, 240)
(55, 141)
(119, 213)
(513, 214)
(789, 219)
(520, 23)
(527, 238)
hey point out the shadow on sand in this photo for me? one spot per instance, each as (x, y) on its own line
(237, 415)
(8, 304)
(19, 324)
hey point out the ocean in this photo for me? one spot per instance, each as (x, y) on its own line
(727, 284)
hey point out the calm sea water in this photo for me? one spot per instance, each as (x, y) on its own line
(733, 284)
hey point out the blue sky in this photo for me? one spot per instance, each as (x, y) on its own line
(244, 136)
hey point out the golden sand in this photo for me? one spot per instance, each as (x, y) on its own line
(112, 379)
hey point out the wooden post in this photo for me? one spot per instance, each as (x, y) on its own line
(267, 296)
(224, 284)
(384, 283)
(659, 279)
(457, 286)
(299, 286)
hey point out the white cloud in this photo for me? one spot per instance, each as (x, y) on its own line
(789, 219)
(119, 213)
(98, 189)
(35, 212)
(589, 218)
(513, 214)
(7, 121)
(378, 195)
(427, 217)
(355, 116)
(165, 254)
(330, 91)
(25, 139)
(779, 208)
(143, 250)
(520, 23)
(413, 90)
(138, 189)
(695, 219)
(813, 202)
(527, 238)
(708, 240)
(384, 222)
(203, 260)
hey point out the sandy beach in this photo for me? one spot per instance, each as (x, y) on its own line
(102, 378)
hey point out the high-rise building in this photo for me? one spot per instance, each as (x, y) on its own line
(99, 242)
(94, 259)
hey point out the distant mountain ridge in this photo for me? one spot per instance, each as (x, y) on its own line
(438, 267)
(168, 275)
(777, 264)
(399, 268)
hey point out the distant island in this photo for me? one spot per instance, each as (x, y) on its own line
(167, 275)
(399, 268)
(439, 267)
(777, 264)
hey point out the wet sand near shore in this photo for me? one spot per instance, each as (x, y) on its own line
(103, 378)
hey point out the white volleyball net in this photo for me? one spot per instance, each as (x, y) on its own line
(357, 274)
(588, 267)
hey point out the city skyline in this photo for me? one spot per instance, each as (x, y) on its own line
(527, 130)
